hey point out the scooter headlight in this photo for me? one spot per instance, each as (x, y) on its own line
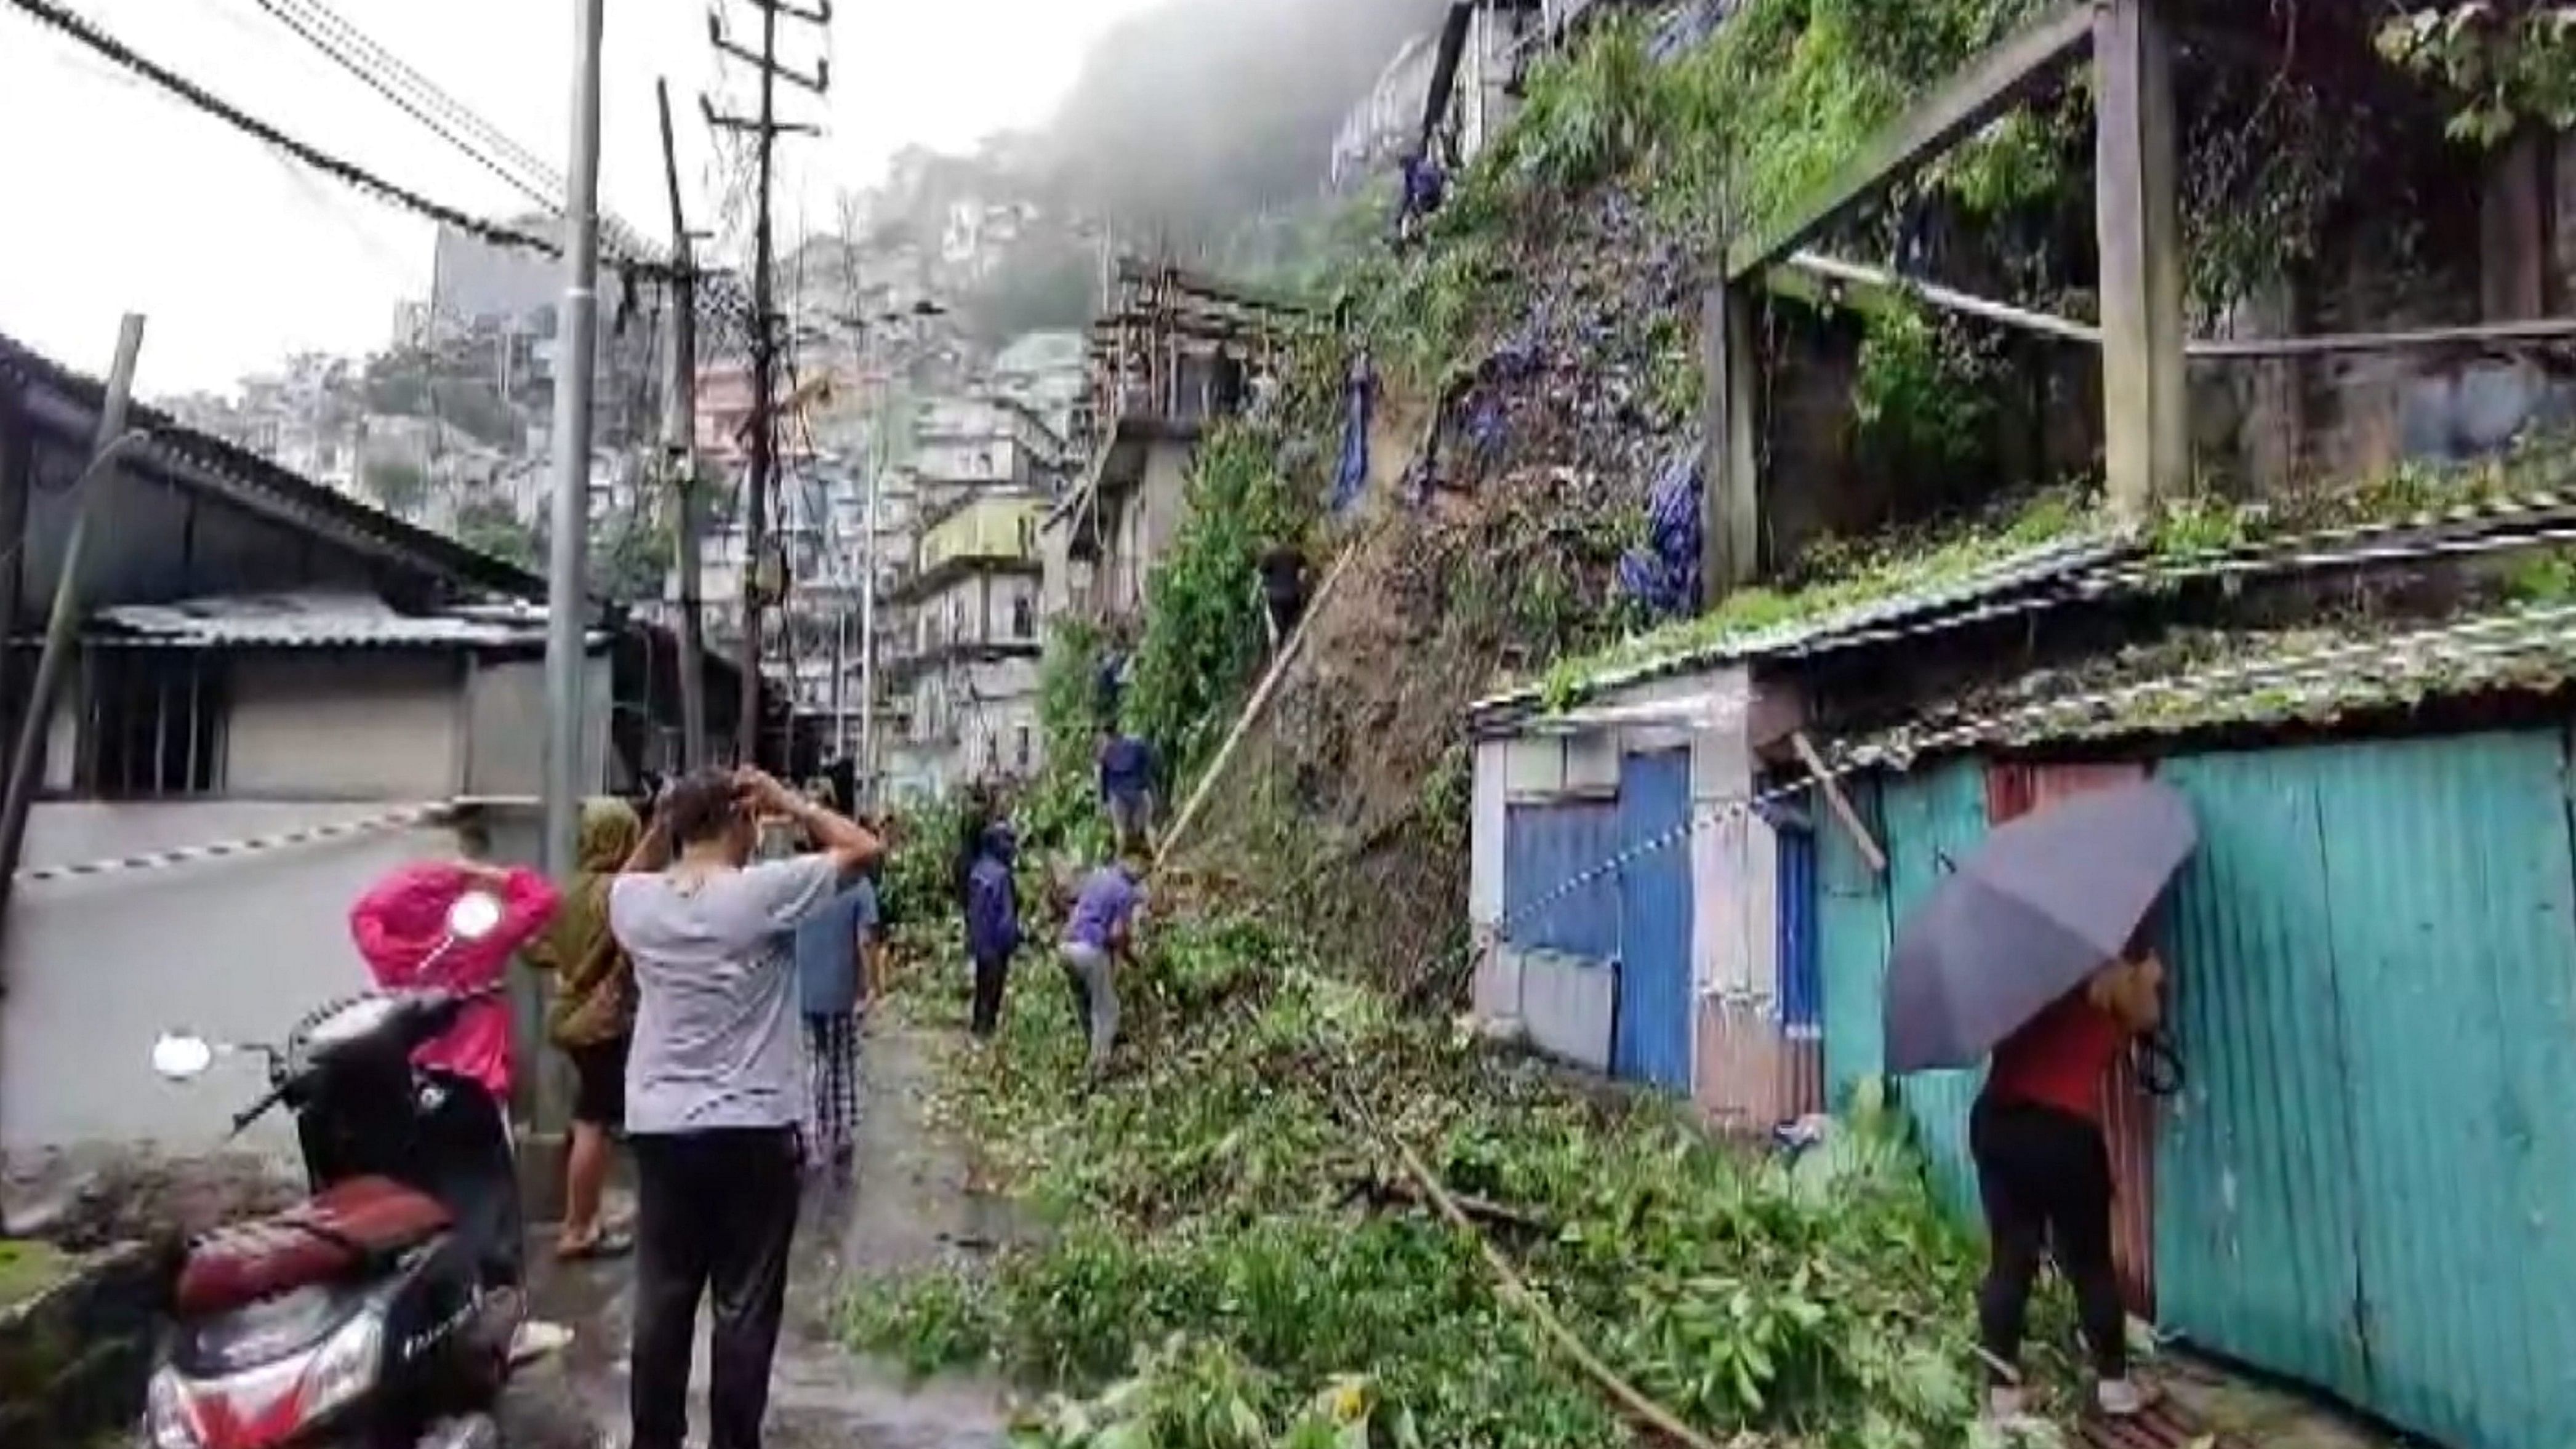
(345, 1366)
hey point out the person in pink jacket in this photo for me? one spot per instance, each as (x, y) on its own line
(401, 922)
(400, 926)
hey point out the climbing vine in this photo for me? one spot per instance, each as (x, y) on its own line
(1923, 395)
(1203, 633)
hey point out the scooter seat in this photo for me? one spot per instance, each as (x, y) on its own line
(336, 1230)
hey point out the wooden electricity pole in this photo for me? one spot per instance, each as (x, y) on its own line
(765, 129)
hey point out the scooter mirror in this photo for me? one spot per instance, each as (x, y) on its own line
(179, 1058)
(473, 916)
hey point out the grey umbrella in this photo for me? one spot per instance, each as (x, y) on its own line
(2045, 901)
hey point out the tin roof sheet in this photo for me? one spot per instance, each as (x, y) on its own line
(1862, 622)
(319, 620)
(2208, 681)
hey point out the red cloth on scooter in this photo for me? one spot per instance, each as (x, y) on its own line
(312, 1242)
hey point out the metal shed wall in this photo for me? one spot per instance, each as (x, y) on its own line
(2366, 1181)
(2129, 1115)
(1851, 949)
(1934, 818)
(1922, 820)
(1546, 850)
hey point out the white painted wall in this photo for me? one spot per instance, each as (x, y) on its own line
(343, 725)
(1486, 825)
(234, 948)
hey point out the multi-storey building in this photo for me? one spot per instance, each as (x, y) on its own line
(962, 655)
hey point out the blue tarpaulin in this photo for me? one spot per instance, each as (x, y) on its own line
(1359, 401)
(1664, 575)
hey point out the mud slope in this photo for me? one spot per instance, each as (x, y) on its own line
(1348, 801)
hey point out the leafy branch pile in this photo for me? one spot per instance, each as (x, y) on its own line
(1228, 1257)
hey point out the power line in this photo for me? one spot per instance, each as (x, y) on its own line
(370, 52)
(48, 13)
(376, 81)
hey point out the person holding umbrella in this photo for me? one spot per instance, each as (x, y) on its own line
(2044, 1174)
(2035, 949)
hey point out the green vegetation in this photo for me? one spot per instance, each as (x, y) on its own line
(1843, 576)
(1203, 636)
(489, 525)
(2512, 69)
(397, 483)
(1232, 1257)
(28, 1267)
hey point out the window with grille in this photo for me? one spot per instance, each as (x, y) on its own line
(152, 724)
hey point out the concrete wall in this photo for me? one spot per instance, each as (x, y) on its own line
(505, 722)
(234, 949)
(380, 725)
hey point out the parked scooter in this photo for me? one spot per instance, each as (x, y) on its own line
(364, 1315)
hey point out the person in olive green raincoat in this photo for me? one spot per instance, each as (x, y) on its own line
(592, 1018)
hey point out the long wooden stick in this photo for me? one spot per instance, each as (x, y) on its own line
(1841, 803)
(1254, 706)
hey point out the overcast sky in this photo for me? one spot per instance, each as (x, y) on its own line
(124, 199)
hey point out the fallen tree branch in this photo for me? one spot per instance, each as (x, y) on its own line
(1385, 1189)
(1516, 1290)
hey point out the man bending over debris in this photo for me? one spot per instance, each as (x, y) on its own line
(1100, 934)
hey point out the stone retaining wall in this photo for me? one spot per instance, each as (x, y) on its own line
(73, 1359)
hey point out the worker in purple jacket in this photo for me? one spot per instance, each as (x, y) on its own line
(992, 927)
(1100, 934)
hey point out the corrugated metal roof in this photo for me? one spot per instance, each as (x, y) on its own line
(209, 464)
(2206, 681)
(2028, 569)
(319, 620)
(2071, 570)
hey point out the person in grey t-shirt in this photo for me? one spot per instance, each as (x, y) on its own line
(715, 1086)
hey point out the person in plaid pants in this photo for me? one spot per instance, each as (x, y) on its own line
(835, 975)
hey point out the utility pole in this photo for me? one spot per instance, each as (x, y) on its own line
(567, 606)
(680, 455)
(62, 627)
(765, 131)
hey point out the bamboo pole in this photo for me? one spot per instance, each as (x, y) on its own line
(1253, 707)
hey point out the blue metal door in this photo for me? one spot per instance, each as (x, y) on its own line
(1651, 1034)
(1802, 988)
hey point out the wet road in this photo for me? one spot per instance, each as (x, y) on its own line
(905, 1207)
